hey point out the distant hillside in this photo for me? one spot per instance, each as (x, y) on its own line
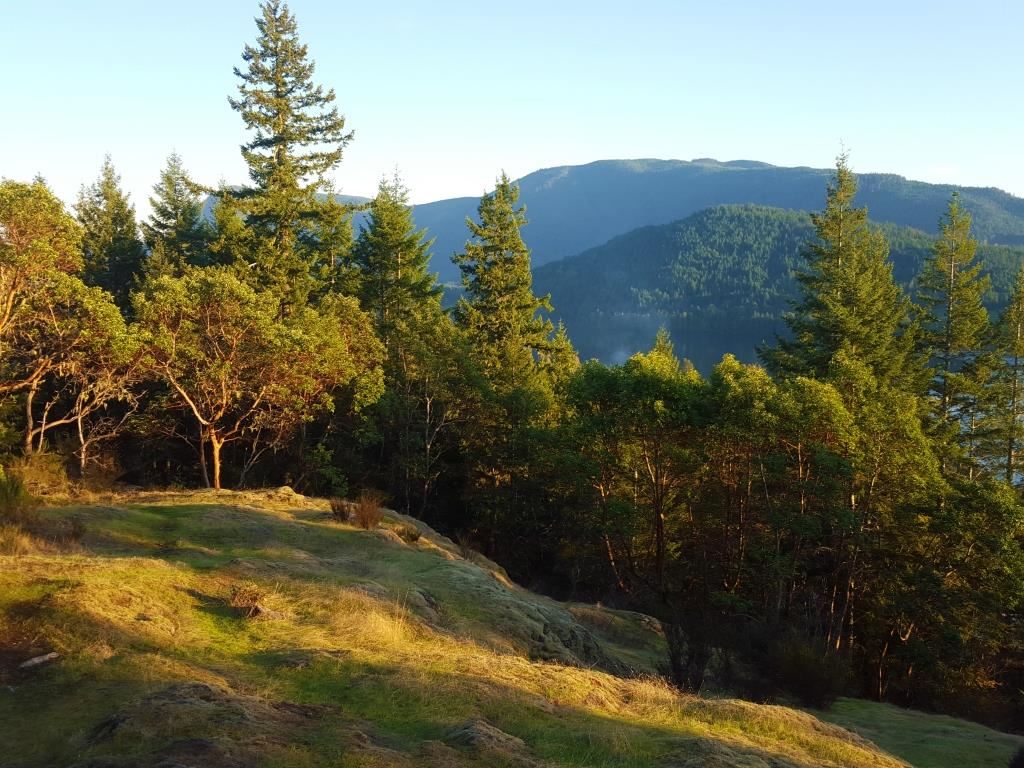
(573, 208)
(720, 280)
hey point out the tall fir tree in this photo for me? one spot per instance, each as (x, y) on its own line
(499, 309)
(1008, 384)
(176, 233)
(114, 254)
(298, 137)
(500, 316)
(849, 301)
(392, 259)
(955, 327)
(415, 418)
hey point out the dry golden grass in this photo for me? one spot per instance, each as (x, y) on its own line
(14, 540)
(348, 669)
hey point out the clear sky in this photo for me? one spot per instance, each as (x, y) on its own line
(452, 92)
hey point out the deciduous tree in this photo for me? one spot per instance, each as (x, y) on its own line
(242, 373)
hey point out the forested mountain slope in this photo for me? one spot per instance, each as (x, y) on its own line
(573, 208)
(720, 280)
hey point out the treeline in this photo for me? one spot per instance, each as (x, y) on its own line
(845, 519)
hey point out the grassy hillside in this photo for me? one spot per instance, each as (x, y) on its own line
(222, 629)
(720, 280)
(927, 741)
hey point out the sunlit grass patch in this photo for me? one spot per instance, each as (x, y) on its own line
(368, 649)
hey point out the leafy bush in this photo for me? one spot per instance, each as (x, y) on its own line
(16, 504)
(367, 511)
(324, 476)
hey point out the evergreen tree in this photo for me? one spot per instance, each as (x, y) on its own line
(849, 300)
(176, 233)
(1008, 383)
(114, 255)
(392, 258)
(298, 138)
(499, 315)
(955, 326)
(499, 310)
(424, 379)
(560, 362)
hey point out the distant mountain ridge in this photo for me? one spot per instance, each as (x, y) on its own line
(573, 208)
(719, 280)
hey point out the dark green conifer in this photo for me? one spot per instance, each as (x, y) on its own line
(392, 259)
(176, 233)
(113, 253)
(955, 326)
(298, 137)
(849, 300)
(499, 310)
(1008, 384)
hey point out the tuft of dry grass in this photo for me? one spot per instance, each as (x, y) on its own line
(16, 541)
(367, 511)
(247, 598)
(408, 533)
(17, 505)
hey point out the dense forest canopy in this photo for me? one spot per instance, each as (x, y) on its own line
(845, 518)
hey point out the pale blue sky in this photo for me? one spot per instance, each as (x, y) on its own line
(453, 92)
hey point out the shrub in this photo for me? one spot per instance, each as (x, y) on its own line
(246, 599)
(339, 508)
(1017, 761)
(367, 511)
(16, 504)
(43, 474)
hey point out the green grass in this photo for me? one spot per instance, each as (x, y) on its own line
(374, 649)
(924, 740)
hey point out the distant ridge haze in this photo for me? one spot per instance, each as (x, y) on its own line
(573, 208)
